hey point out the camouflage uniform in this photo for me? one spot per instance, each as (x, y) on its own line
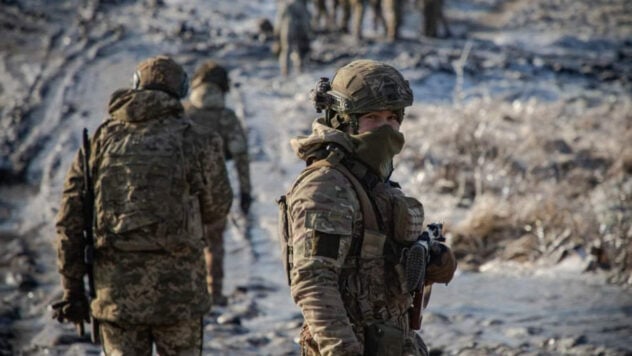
(378, 17)
(393, 15)
(357, 8)
(156, 180)
(206, 109)
(292, 29)
(345, 277)
(323, 15)
(432, 13)
(345, 7)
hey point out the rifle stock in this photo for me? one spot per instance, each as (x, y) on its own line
(88, 223)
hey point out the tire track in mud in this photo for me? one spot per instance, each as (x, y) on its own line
(58, 80)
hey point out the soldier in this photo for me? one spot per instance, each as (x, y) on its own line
(432, 12)
(323, 15)
(345, 8)
(357, 8)
(206, 108)
(292, 30)
(347, 230)
(393, 12)
(378, 17)
(156, 181)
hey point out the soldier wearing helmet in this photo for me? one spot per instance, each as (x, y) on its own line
(206, 107)
(292, 34)
(156, 179)
(347, 230)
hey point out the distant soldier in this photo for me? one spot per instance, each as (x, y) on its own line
(378, 16)
(323, 17)
(432, 11)
(355, 250)
(345, 7)
(355, 9)
(292, 29)
(206, 107)
(393, 16)
(156, 180)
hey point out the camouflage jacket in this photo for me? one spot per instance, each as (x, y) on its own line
(223, 121)
(341, 285)
(148, 265)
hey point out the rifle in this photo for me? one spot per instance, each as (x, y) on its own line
(88, 222)
(421, 294)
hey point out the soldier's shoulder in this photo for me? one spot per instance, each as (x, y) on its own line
(104, 129)
(323, 180)
(197, 134)
(322, 188)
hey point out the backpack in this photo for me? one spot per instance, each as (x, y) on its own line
(140, 185)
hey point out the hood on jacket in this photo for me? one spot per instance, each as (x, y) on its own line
(375, 148)
(207, 95)
(133, 105)
(322, 135)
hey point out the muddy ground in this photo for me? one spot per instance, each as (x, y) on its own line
(519, 141)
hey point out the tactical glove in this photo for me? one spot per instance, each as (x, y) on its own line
(74, 306)
(442, 264)
(245, 202)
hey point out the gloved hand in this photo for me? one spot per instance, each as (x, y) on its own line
(442, 264)
(245, 202)
(74, 306)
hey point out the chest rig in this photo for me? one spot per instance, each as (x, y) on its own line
(372, 242)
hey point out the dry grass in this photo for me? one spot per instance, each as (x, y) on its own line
(537, 180)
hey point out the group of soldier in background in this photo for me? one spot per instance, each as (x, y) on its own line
(295, 26)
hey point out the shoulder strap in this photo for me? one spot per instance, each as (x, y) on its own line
(368, 213)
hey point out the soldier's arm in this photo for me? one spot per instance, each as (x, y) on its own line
(69, 223)
(209, 179)
(321, 221)
(238, 147)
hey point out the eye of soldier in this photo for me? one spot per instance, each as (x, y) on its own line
(370, 116)
(393, 117)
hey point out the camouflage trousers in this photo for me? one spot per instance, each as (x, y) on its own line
(214, 255)
(183, 338)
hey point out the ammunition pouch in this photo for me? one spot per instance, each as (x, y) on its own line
(408, 219)
(383, 340)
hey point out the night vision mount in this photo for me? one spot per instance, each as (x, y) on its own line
(320, 96)
(324, 98)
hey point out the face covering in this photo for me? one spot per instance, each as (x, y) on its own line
(376, 149)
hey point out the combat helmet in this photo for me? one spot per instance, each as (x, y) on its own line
(161, 73)
(211, 72)
(360, 87)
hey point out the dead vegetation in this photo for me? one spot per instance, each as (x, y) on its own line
(538, 181)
